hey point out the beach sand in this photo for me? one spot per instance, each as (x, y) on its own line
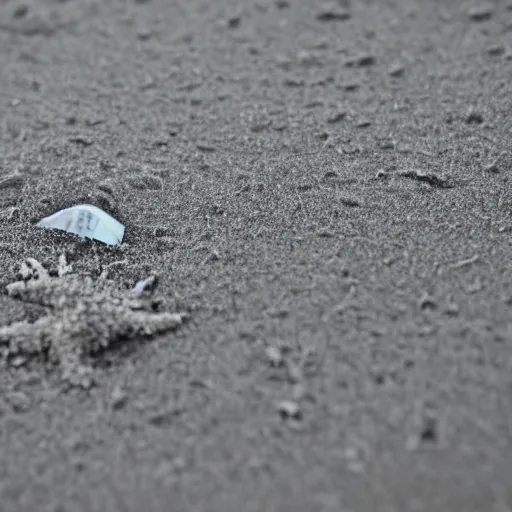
(323, 188)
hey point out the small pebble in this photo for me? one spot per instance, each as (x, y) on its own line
(289, 409)
(480, 13)
(496, 50)
(387, 144)
(106, 186)
(282, 4)
(81, 140)
(362, 61)
(325, 233)
(396, 70)
(350, 86)
(259, 127)
(234, 21)
(452, 309)
(118, 397)
(144, 34)
(204, 147)
(274, 356)
(492, 167)
(332, 12)
(19, 401)
(364, 123)
(18, 361)
(427, 302)
(308, 59)
(474, 117)
(20, 11)
(294, 82)
(349, 201)
(12, 181)
(429, 429)
(336, 117)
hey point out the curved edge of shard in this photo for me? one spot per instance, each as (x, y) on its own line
(86, 221)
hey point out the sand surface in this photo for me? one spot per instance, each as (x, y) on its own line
(324, 189)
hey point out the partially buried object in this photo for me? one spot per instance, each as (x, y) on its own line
(86, 221)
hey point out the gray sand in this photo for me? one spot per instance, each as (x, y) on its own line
(324, 189)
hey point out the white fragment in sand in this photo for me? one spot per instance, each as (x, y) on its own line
(147, 284)
(63, 267)
(86, 221)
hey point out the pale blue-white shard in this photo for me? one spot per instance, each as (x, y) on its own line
(86, 221)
